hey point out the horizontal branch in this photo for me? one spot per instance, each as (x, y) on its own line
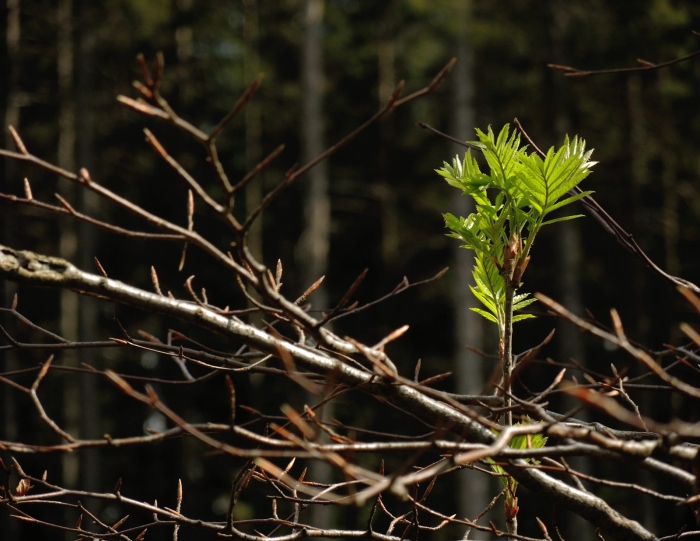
(54, 272)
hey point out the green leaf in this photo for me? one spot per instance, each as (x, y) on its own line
(484, 313)
(502, 155)
(486, 299)
(569, 200)
(527, 441)
(546, 181)
(563, 219)
(467, 230)
(465, 174)
(489, 289)
(520, 302)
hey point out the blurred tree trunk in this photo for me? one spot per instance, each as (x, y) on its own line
(641, 147)
(10, 111)
(253, 123)
(68, 234)
(569, 252)
(77, 241)
(312, 250)
(89, 202)
(474, 488)
(568, 239)
(386, 194)
(253, 143)
(639, 157)
(669, 174)
(383, 189)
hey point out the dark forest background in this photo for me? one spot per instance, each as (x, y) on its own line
(65, 61)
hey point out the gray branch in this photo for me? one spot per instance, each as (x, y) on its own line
(41, 270)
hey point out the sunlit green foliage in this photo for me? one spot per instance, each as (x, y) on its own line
(512, 204)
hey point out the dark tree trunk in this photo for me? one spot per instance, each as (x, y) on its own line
(89, 202)
(8, 174)
(474, 492)
(569, 245)
(312, 250)
(253, 123)
(68, 231)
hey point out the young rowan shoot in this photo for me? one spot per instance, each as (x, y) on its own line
(512, 203)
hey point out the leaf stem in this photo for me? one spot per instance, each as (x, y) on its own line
(506, 349)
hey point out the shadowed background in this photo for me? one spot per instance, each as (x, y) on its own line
(376, 204)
